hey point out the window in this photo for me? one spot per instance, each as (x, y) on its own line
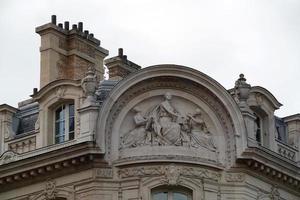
(281, 128)
(261, 129)
(171, 194)
(64, 123)
(258, 129)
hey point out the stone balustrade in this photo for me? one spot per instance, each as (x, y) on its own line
(23, 145)
(287, 151)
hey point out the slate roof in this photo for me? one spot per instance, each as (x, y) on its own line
(25, 118)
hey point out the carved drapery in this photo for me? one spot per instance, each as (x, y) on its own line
(164, 125)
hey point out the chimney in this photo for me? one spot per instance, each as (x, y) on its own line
(119, 66)
(66, 53)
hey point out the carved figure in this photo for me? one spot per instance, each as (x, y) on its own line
(164, 122)
(199, 134)
(138, 135)
(164, 125)
(171, 175)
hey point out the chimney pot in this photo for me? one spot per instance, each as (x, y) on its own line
(91, 35)
(120, 52)
(53, 19)
(80, 26)
(60, 25)
(74, 27)
(86, 33)
(67, 25)
(125, 57)
(35, 90)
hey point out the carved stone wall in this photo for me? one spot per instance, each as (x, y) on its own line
(144, 119)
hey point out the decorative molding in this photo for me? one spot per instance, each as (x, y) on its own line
(23, 145)
(164, 125)
(287, 179)
(286, 152)
(235, 177)
(104, 173)
(272, 195)
(187, 86)
(171, 173)
(60, 92)
(8, 156)
(179, 158)
(50, 189)
(52, 192)
(43, 169)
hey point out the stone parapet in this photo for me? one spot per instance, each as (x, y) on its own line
(23, 144)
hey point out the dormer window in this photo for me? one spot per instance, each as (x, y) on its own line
(258, 129)
(64, 123)
(261, 127)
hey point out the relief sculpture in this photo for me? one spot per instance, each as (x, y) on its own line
(163, 125)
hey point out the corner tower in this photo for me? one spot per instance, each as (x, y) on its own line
(67, 52)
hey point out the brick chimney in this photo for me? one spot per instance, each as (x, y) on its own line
(66, 53)
(119, 66)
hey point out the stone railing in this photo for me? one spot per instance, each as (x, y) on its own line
(12, 155)
(23, 144)
(287, 151)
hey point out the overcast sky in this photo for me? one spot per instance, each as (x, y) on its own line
(260, 38)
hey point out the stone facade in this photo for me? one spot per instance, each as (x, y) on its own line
(156, 133)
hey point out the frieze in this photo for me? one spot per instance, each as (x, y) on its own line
(184, 85)
(104, 173)
(235, 177)
(50, 189)
(170, 173)
(164, 125)
(180, 158)
(272, 195)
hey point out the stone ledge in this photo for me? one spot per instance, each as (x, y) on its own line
(62, 161)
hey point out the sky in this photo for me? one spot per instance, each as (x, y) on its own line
(260, 38)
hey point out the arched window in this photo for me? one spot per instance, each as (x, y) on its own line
(170, 193)
(64, 123)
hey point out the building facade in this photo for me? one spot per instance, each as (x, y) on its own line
(163, 132)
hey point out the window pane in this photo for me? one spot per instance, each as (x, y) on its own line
(64, 123)
(179, 196)
(71, 124)
(57, 113)
(71, 110)
(59, 131)
(160, 196)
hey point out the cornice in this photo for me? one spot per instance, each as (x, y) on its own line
(272, 166)
(258, 89)
(54, 84)
(55, 163)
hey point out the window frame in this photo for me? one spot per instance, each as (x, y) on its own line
(170, 192)
(67, 133)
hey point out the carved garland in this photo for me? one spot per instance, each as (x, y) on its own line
(170, 173)
(178, 84)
